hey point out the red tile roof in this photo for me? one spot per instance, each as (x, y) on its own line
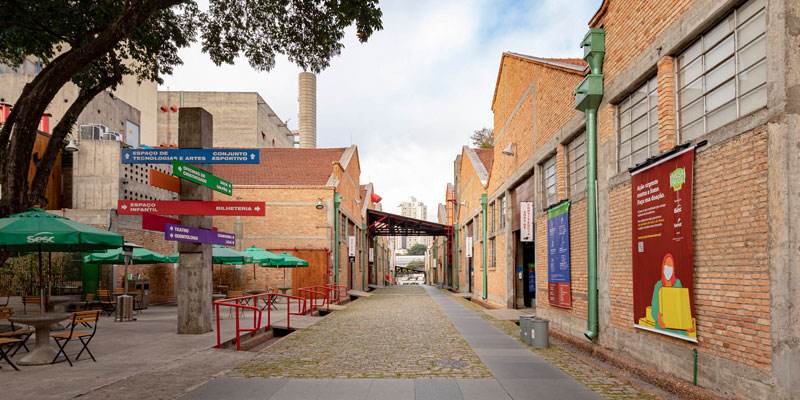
(302, 167)
(486, 156)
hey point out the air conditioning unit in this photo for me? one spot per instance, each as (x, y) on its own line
(116, 136)
(92, 131)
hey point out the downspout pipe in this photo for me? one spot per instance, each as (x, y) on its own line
(484, 204)
(364, 256)
(337, 200)
(455, 253)
(588, 96)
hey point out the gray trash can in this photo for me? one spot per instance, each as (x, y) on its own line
(525, 329)
(540, 335)
(125, 308)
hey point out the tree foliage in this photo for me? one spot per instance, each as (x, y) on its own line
(95, 43)
(417, 250)
(483, 138)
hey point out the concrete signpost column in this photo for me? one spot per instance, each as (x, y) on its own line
(195, 130)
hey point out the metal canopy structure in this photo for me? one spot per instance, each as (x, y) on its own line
(410, 270)
(384, 224)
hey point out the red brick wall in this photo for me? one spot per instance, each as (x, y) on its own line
(731, 277)
(162, 276)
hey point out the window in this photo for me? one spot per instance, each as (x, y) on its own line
(492, 215)
(501, 212)
(638, 125)
(576, 164)
(343, 228)
(493, 255)
(723, 75)
(549, 189)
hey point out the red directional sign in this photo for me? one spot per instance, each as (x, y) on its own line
(166, 207)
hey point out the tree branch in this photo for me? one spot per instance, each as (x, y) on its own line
(38, 191)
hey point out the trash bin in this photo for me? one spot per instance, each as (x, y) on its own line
(540, 335)
(525, 329)
(124, 308)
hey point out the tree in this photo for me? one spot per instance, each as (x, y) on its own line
(95, 43)
(483, 138)
(417, 250)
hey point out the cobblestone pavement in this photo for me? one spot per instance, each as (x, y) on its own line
(396, 333)
(600, 381)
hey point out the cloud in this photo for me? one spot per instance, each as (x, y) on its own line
(412, 95)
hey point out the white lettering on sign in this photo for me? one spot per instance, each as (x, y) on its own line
(468, 247)
(42, 237)
(526, 221)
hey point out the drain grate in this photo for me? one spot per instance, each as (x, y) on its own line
(451, 363)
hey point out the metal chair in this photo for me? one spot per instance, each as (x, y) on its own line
(14, 333)
(84, 318)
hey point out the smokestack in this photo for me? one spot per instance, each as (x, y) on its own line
(308, 110)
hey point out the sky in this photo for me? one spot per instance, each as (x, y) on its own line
(412, 95)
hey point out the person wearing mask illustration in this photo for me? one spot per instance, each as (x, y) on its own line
(668, 279)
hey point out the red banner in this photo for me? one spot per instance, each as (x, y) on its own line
(663, 255)
(166, 207)
(156, 222)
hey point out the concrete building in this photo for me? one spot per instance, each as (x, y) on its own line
(118, 112)
(241, 119)
(413, 209)
(713, 74)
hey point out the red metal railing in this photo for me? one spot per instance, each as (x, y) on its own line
(309, 294)
(338, 289)
(235, 303)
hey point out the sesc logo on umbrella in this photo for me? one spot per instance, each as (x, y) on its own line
(42, 237)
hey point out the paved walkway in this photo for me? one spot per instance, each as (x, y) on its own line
(444, 352)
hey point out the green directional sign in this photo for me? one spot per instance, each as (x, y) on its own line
(200, 177)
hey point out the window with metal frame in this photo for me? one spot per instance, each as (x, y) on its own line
(549, 188)
(576, 164)
(501, 212)
(492, 215)
(722, 76)
(343, 228)
(638, 125)
(493, 254)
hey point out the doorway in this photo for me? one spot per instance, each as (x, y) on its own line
(529, 273)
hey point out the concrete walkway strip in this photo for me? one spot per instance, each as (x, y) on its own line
(522, 373)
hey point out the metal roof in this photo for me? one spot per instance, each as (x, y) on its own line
(384, 224)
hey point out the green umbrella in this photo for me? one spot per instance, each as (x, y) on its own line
(262, 258)
(38, 230)
(290, 261)
(115, 256)
(219, 255)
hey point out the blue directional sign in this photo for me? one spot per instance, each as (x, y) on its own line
(191, 156)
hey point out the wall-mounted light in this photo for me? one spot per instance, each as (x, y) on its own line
(357, 201)
(320, 206)
(464, 203)
(509, 149)
(72, 146)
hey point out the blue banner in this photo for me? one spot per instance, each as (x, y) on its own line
(558, 264)
(191, 156)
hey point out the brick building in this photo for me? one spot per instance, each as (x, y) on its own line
(299, 187)
(720, 75)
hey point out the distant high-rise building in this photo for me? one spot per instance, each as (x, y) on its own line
(413, 209)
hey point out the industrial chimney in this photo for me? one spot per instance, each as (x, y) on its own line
(308, 110)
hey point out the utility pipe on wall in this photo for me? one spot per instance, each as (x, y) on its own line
(455, 252)
(337, 200)
(484, 203)
(364, 256)
(588, 96)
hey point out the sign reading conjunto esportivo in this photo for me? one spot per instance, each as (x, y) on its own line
(192, 156)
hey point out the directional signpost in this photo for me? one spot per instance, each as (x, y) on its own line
(167, 207)
(200, 177)
(197, 235)
(194, 156)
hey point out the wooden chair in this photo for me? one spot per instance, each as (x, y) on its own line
(120, 290)
(89, 302)
(14, 333)
(83, 318)
(232, 294)
(34, 301)
(4, 342)
(106, 301)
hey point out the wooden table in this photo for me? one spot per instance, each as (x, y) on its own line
(42, 352)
